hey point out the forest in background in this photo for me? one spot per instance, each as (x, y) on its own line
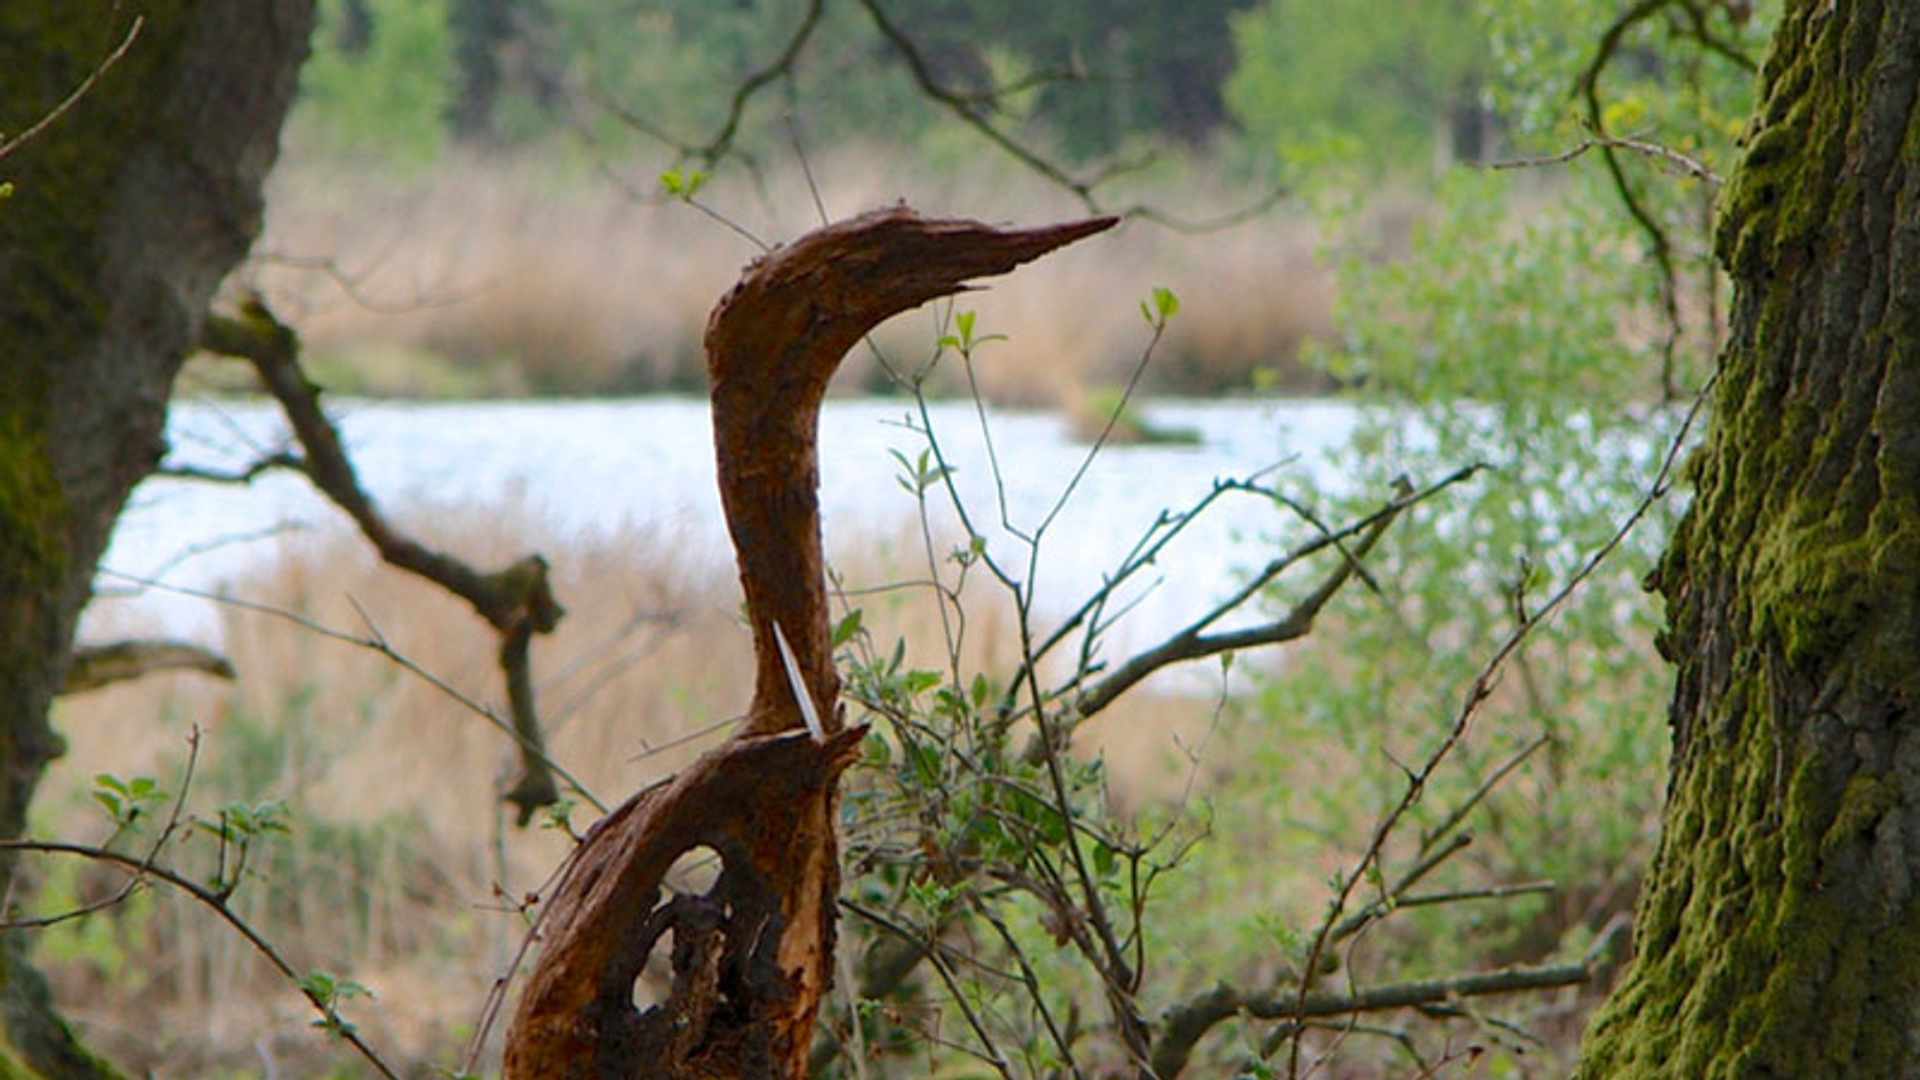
(470, 204)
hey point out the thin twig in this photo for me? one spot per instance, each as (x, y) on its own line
(1686, 166)
(1478, 691)
(86, 85)
(375, 643)
(139, 873)
(214, 900)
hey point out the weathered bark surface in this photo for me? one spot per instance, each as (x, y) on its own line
(126, 214)
(772, 344)
(1779, 932)
(752, 958)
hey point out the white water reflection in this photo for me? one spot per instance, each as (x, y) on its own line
(597, 467)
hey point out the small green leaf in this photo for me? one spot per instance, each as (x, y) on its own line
(846, 628)
(682, 185)
(560, 815)
(964, 320)
(320, 984)
(1164, 302)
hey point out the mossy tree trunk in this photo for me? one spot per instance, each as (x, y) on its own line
(1779, 931)
(125, 214)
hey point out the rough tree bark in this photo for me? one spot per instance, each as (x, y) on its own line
(126, 213)
(1779, 931)
(752, 958)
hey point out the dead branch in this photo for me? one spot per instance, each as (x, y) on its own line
(95, 666)
(1184, 1025)
(1686, 166)
(1476, 696)
(811, 299)
(1192, 642)
(753, 957)
(516, 601)
(967, 107)
(748, 961)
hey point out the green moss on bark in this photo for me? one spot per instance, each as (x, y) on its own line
(31, 555)
(1779, 932)
(124, 213)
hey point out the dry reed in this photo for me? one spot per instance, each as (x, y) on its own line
(402, 869)
(531, 277)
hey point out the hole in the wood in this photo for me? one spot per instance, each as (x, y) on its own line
(694, 871)
(693, 874)
(655, 983)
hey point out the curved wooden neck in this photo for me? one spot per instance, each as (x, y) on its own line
(772, 345)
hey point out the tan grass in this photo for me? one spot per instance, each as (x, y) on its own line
(402, 863)
(546, 279)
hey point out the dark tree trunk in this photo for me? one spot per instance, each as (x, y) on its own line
(126, 213)
(1779, 932)
(484, 31)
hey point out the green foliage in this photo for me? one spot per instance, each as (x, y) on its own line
(1512, 332)
(1108, 73)
(1165, 306)
(683, 184)
(674, 63)
(388, 99)
(1383, 82)
(1091, 80)
(329, 992)
(126, 801)
(1659, 83)
(104, 943)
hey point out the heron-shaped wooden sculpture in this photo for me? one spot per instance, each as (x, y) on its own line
(752, 957)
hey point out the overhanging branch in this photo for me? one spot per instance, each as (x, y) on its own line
(516, 601)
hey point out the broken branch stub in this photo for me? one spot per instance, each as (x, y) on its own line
(772, 344)
(752, 957)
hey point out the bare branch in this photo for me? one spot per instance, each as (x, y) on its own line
(967, 108)
(248, 475)
(95, 666)
(1478, 691)
(516, 601)
(1680, 162)
(1184, 1025)
(1192, 642)
(141, 869)
(721, 143)
(352, 283)
(212, 899)
(375, 642)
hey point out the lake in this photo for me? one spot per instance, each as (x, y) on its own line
(586, 467)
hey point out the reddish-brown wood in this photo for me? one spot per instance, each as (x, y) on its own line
(752, 957)
(772, 344)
